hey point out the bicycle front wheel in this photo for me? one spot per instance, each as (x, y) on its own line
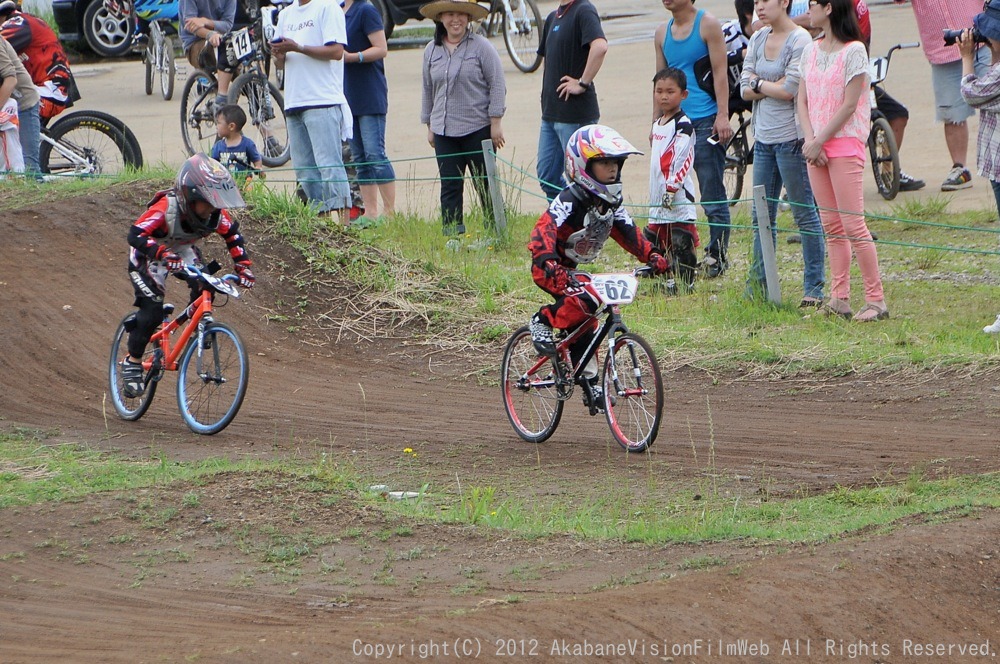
(735, 171)
(149, 59)
(523, 36)
(264, 107)
(212, 379)
(127, 408)
(528, 382)
(633, 393)
(86, 143)
(198, 112)
(885, 158)
(166, 67)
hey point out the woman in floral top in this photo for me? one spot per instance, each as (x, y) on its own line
(983, 92)
(835, 114)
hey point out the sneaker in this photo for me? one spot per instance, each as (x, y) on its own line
(994, 328)
(713, 266)
(910, 183)
(541, 335)
(139, 43)
(794, 238)
(133, 387)
(783, 204)
(958, 178)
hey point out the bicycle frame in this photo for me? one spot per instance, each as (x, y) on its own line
(84, 166)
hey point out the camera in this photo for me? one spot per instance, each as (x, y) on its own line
(951, 36)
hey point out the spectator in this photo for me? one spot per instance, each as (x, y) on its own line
(463, 102)
(15, 83)
(835, 113)
(309, 43)
(671, 227)
(681, 42)
(204, 23)
(367, 94)
(983, 92)
(233, 150)
(573, 49)
(738, 31)
(11, 155)
(933, 16)
(43, 56)
(771, 80)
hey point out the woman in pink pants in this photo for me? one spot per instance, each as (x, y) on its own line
(834, 110)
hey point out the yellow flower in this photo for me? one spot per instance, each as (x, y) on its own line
(408, 451)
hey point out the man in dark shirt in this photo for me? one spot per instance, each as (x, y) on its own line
(573, 47)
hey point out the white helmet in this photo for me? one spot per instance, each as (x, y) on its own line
(597, 142)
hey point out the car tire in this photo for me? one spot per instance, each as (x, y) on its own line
(387, 22)
(107, 35)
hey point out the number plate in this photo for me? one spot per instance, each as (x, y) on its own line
(242, 44)
(616, 288)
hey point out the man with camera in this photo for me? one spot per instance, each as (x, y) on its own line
(934, 17)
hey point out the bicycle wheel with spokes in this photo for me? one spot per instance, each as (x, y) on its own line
(528, 382)
(523, 36)
(212, 379)
(166, 67)
(633, 393)
(264, 106)
(736, 165)
(149, 59)
(885, 158)
(127, 408)
(87, 143)
(197, 112)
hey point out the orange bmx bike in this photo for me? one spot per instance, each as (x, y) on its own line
(209, 357)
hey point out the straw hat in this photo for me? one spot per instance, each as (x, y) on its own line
(434, 9)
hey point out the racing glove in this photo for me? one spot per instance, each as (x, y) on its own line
(246, 276)
(171, 261)
(557, 275)
(658, 263)
(667, 202)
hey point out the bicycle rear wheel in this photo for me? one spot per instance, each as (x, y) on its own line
(633, 393)
(127, 408)
(885, 158)
(528, 383)
(198, 112)
(166, 67)
(149, 59)
(523, 37)
(736, 165)
(264, 107)
(212, 379)
(87, 143)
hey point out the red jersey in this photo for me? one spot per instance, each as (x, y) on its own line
(44, 58)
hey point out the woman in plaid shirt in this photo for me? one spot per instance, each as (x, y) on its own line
(464, 98)
(983, 92)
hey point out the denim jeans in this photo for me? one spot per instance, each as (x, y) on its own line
(368, 150)
(709, 166)
(30, 137)
(996, 192)
(552, 140)
(318, 157)
(775, 164)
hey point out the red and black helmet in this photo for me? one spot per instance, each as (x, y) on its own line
(202, 178)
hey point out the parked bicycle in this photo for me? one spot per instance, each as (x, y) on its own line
(739, 155)
(88, 143)
(209, 357)
(881, 140)
(251, 89)
(159, 54)
(535, 388)
(521, 25)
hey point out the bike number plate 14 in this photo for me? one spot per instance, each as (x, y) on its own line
(242, 44)
(615, 288)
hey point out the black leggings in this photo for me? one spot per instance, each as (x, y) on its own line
(452, 165)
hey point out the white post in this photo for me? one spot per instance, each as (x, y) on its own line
(496, 196)
(766, 245)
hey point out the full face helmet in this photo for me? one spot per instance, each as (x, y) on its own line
(202, 178)
(597, 142)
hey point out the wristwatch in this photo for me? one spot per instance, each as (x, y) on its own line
(585, 86)
(757, 82)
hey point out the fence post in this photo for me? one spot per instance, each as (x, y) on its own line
(496, 196)
(766, 245)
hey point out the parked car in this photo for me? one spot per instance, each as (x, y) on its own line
(106, 33)
(396, 12)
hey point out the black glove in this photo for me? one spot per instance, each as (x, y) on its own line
(246, 276)
(557, 275)
(658, 263)
(171, 261)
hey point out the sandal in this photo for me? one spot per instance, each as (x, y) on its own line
(828, 310)
(880, 314)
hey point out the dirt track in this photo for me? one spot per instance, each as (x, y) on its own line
(69, 591)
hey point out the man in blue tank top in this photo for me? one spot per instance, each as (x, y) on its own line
(693, 34)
